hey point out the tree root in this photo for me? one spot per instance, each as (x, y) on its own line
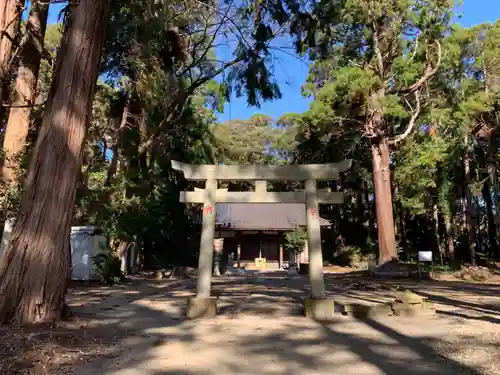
(66, 313)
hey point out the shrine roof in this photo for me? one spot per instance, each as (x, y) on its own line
(263, 216)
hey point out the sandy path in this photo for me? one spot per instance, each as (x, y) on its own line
(257, 332)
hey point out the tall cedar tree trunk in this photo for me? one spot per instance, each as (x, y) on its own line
(117, 143)
(493, 190)
(371, 213)
(24, 95)
(36, 263)
(394, 209)
(492, 230)
(439, 245)
(449, 239)
(467, 208)
(383, 200)
(10, 18)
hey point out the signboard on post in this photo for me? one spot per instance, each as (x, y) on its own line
(425, 256)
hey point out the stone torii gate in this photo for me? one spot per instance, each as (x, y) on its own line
(203, 305)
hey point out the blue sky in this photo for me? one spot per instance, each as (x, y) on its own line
(291, 72)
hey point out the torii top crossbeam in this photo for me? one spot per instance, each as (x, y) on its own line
(296, 172)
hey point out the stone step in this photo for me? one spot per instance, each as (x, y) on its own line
(409, 298)
(409, 310)
(361, 311)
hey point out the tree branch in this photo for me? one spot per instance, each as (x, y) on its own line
(209, 46)
(207, 78)
(430, 71)
(376, 48)
(4, 32)
(412, 122)
(23, 105)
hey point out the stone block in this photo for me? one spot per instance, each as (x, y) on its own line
(319, 308)
(406, 309)
(408, 297)
(428, 307)
(201, 307)
(361, 311)
(292, 272)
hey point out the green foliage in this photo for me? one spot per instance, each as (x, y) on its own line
(295, 241)
(108, 267)
(418, 164)
(245, 141)
(167, 79)
(347, 256)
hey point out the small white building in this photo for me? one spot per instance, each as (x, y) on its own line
(86, 243)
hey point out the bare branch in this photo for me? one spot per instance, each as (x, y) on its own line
(415, 49)
(413, 120)
(210, 44)
(430, 71)
(23, 105)
(229, 19)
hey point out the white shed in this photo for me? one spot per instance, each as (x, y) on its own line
(86, 242)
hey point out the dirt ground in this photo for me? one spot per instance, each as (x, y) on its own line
(137, 328)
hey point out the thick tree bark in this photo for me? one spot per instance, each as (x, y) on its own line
(36, 264)
(123, 251)
(122, 123)
(439, 245)
(467, 205)
(383, 200)
(394, 209)
(492, 230)
(25, 93)
(449, 239)
(10, 18)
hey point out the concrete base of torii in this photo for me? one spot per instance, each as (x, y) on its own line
(201, 307)
(321, 309)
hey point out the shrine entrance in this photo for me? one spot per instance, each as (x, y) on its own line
(203, 305)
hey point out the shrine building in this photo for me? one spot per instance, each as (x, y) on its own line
(255, 233)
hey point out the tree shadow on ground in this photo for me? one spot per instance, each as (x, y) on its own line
(488, 308)
(484, 318)
(255, 336)
(482, 298)
(269, 346)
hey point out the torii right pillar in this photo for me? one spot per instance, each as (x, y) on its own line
(314, 241)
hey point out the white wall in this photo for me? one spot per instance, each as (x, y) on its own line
(85, 244)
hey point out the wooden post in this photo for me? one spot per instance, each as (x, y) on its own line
(238, 253)
(314, 241)
(219, 250)
(281, 255)
(260, 186)
(207, 240)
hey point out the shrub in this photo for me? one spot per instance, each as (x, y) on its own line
(296, 241)
(473, 273)
(108, 267)
(347, 256)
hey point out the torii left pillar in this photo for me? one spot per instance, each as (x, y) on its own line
(203, 305)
